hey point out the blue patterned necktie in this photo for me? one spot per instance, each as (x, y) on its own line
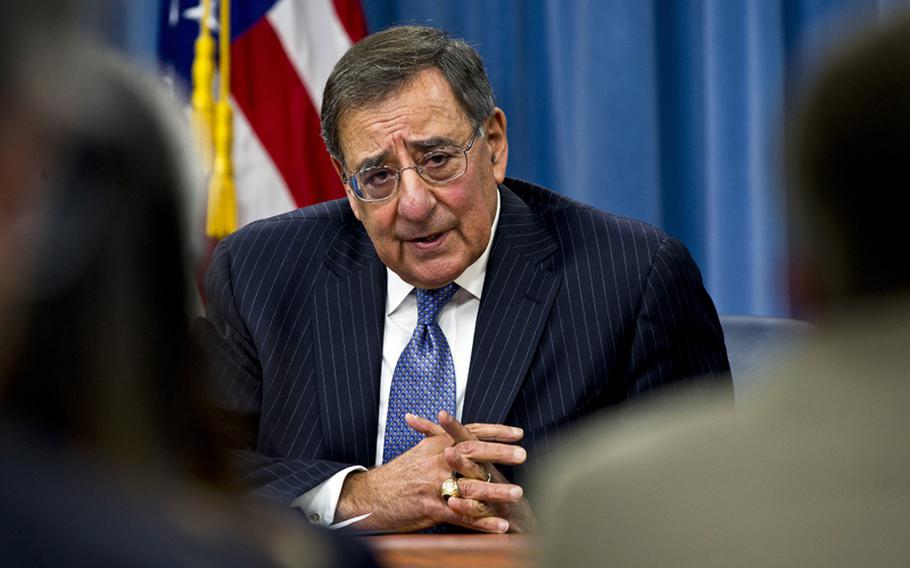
(424, 378)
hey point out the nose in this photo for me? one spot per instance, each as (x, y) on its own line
(415, 198)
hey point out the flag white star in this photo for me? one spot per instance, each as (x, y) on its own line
(196, 14)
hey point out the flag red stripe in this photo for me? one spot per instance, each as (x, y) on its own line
(350, 12)
(275, 102)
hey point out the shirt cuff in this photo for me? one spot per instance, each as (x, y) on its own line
(319, 503)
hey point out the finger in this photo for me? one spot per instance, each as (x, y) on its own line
(489, 492)
(469, 507)
(422, 425)
(483, 524)
(486, 432)
(492, 452)
(467, 468)
(454, 428)
(495, 432)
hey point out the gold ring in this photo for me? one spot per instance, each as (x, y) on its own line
(449, 488)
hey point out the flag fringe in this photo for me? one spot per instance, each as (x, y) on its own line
(221, 217)
(213, 121)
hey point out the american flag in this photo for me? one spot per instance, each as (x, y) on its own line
(282, 52)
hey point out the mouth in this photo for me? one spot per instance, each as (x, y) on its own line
(428, 238)
(428, 242)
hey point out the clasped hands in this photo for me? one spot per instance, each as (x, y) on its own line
(403, 495)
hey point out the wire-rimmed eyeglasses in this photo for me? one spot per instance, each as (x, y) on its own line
(439, 166)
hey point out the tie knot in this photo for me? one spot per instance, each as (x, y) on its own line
(431, 302)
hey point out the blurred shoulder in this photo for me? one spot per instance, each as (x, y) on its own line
(634, 474)
(655, 431)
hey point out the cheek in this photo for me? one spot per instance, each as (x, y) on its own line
(379, 222)
(477, 234)
(476, 222)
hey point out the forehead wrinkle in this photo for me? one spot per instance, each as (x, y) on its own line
(422, 108)
(387, 127)
(422, 145)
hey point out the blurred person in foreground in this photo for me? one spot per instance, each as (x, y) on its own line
(814, 468)
(439, 290)
(109, 454)
(21, 154)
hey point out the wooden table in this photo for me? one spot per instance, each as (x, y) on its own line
(454, 550)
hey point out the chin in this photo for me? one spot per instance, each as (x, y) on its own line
(432, 284)
(430, 273)
(437, 279)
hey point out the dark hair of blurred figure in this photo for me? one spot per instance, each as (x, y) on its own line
(848, 158)
(21, 147)
(106, 359)
(109, 450)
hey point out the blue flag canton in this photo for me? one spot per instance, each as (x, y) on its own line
(178, 27)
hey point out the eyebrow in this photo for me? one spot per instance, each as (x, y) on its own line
(426, 144)
(371, 161)
(433, 142)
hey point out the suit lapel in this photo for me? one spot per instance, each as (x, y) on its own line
(518, 293)
(348, 317)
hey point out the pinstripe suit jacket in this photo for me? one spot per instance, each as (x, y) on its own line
(580, 310)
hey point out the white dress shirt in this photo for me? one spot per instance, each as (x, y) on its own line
(457, 320)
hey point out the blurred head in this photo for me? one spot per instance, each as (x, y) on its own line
(106, 361)
(26, 34)
(401, 109)
(16, 215)
(848, 157)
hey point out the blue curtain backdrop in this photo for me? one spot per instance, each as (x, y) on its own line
(664, 110)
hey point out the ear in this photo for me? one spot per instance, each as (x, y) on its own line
(354, 202)
(498, 142)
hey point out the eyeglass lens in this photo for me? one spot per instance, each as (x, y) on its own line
(439, 166)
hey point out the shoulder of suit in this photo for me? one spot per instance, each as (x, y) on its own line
(554, 208)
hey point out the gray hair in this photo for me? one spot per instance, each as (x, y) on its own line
(382, 63)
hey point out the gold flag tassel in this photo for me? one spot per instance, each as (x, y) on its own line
(221, 219)
(203, 72)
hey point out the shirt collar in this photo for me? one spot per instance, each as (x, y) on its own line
(471, 279)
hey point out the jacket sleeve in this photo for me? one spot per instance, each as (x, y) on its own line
(678, 343)
(236, 389)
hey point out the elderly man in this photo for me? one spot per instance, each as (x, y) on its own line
(354, 338)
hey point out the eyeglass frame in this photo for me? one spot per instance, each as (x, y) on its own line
(478, 132)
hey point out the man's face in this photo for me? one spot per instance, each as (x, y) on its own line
(427, 234)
